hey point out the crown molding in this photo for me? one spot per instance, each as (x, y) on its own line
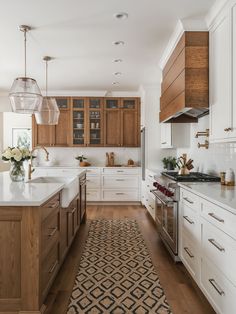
(181, 27)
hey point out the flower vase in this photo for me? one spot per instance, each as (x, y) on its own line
(17, 171)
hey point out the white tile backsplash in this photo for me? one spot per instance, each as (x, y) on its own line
(63, 156)
(219, 157)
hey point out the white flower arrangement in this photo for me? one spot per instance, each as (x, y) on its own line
(16, 154)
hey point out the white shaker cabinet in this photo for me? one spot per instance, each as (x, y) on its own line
(222, 77)
(175, 135)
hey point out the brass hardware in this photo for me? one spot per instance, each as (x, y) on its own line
(217, 245)
(216, 287)
(206, 145)
(187, 200)
(54, 230)
(205, 133)
(228, 129)
(30, 168)
(188, 252)
(188, 220)
(216, 217)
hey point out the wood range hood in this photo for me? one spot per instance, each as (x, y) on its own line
(185, 80)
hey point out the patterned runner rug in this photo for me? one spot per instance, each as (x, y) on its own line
(116, 274)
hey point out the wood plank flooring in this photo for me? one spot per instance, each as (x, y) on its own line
(182, 293)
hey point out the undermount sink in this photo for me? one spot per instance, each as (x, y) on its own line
(70, 188)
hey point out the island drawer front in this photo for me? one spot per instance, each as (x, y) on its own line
(93, 195)
(220, 249)
(219, 217)
(191, 200)
(50, 231)
(93, 182)
(110, 182)
(220, 292)
(121, 196)
(49, 206)
(50, 266)
(189, 256)
(189, 221)
(121, 171)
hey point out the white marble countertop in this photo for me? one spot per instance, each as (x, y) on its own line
(25, 194)
(28, 193)
(83, 168)
(224, 196)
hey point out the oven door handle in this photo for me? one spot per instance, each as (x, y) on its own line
(169, 203)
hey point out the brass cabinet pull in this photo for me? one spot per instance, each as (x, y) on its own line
(187, 200)
(228, 129)
(216, 217)
(53, 267)
(72, 211)
(217, 245)
(120, 180)
(216, 287)
(120, 193)
(163, 143)
(120, 170)
(188, 220)
(54, 205)
(54, 230)
(188, 252)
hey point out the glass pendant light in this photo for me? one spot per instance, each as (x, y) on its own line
(48, 112)
(25, 95)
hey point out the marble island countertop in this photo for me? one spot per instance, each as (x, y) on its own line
(28, 193)
(224, 196)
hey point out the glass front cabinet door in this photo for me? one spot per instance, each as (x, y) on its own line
(95, 122)
(79, 121)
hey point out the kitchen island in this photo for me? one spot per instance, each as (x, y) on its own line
(35, 235)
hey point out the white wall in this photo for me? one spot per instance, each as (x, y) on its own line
(154, 153)
(5, 105)
(219, 157)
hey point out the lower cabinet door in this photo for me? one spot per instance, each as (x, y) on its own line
(70, 225)
(189, 256)
(93, 195)
(63, 233)
(220, 292)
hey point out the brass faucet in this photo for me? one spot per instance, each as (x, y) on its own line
(31, 169)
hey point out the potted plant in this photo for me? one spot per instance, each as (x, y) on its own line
(169, 163)
(82, 161)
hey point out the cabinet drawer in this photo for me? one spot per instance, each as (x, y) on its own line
(93, 195)
(151, 203)
(49, 206)
(189, 221)
(93, 171)
(189, 256)
(121, 196)
(220, 292)
(50, 267)
(93, 182)
(220, 249)
(191, 200)
(110, 182)
(219, 217)
(50, 231)
(121, 171)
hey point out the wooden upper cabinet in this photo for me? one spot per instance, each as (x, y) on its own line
(54, 135)
(95, 129)
(122, 122)
(185, 84)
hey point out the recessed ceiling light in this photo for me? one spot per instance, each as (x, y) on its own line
(117, 73)
(117, 60)
(121, 16)
(115, 83)
(119, 43)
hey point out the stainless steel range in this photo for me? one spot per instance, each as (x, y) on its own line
(167, 204)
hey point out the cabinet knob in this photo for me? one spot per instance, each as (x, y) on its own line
(228, 129)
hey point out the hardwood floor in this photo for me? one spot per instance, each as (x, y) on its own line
(182, 293)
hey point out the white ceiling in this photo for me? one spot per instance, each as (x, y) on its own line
(80, 33)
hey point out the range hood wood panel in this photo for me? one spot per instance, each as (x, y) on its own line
(185, 85)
